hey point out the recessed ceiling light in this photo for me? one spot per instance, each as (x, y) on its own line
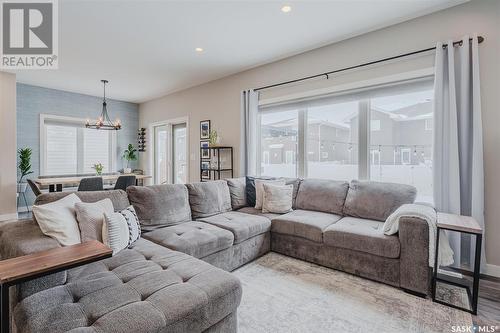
(198, 49)
(286, 9)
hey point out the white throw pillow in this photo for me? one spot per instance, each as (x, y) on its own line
(58, 220)
(259, 189)
(90, 216)
(277, 199)
(121, 229)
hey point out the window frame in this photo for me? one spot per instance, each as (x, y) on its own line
(364, 120)
(76, 122)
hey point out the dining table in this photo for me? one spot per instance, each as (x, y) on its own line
(55, 184)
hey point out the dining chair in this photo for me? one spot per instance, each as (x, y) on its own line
(124, 181)
(139, 182)
(34, 187)
(91, 184)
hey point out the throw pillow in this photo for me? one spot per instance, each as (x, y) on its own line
(121, 229)
(57, 220)
(90, 216)
(277, 198)
(259, 190)
(250, 189)
(237, 189)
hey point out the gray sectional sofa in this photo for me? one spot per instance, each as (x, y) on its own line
(176, 277)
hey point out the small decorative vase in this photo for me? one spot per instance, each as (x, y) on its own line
(127, 170)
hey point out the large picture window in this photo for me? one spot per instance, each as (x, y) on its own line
(68, 148)
(381, 133)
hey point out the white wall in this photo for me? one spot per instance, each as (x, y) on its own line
(8, 169)
(219, 100)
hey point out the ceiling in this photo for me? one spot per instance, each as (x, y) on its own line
(146, 49)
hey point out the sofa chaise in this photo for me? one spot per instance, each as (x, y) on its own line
(176, 278)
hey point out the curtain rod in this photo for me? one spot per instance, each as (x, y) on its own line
(480, 39)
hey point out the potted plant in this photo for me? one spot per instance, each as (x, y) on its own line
(98, 167)
(213, 138)
(129, 155)
(24, 167)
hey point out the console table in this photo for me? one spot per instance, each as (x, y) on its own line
(468, 225)
(25, 268)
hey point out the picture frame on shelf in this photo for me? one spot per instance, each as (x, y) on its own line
(204, 129)
(205, 152)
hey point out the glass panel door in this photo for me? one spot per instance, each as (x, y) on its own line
(160, 154)
(179, 153)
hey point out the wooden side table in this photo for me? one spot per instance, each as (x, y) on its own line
(468, 225)
(25, 268)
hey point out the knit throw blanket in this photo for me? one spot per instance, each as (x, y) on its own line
(427, 213)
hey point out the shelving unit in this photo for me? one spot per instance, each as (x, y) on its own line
(218, 172)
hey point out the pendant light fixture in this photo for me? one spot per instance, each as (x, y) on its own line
(103, 122)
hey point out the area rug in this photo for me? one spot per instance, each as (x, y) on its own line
(282, 294)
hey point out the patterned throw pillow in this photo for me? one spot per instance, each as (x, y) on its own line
(121, 229)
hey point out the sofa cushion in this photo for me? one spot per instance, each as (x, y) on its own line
(255, 211)
(296, 184)
(362, 235)
(243, 226)
(209, 198)
(160, 205)
(304, 223)
(237, 190)
(375, 200)
(147, 288)
(118, 197)
(195, 238)
(322, 195)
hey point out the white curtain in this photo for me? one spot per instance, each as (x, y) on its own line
(458, 138)
(249, 111)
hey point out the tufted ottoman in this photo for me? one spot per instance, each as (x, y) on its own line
(147, 288)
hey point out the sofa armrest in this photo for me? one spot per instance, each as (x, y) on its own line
(24, 237)
(414, 259)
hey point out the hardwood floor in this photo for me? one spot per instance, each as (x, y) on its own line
(488, 312)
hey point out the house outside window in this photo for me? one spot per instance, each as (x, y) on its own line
(380, 134)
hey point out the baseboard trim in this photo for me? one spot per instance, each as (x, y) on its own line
(6, 217)
(492, 270)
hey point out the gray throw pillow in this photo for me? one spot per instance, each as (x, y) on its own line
(121, 229)
(277, 198)
(90, 217)
(237, 190)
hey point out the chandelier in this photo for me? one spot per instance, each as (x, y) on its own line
(103, 122)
